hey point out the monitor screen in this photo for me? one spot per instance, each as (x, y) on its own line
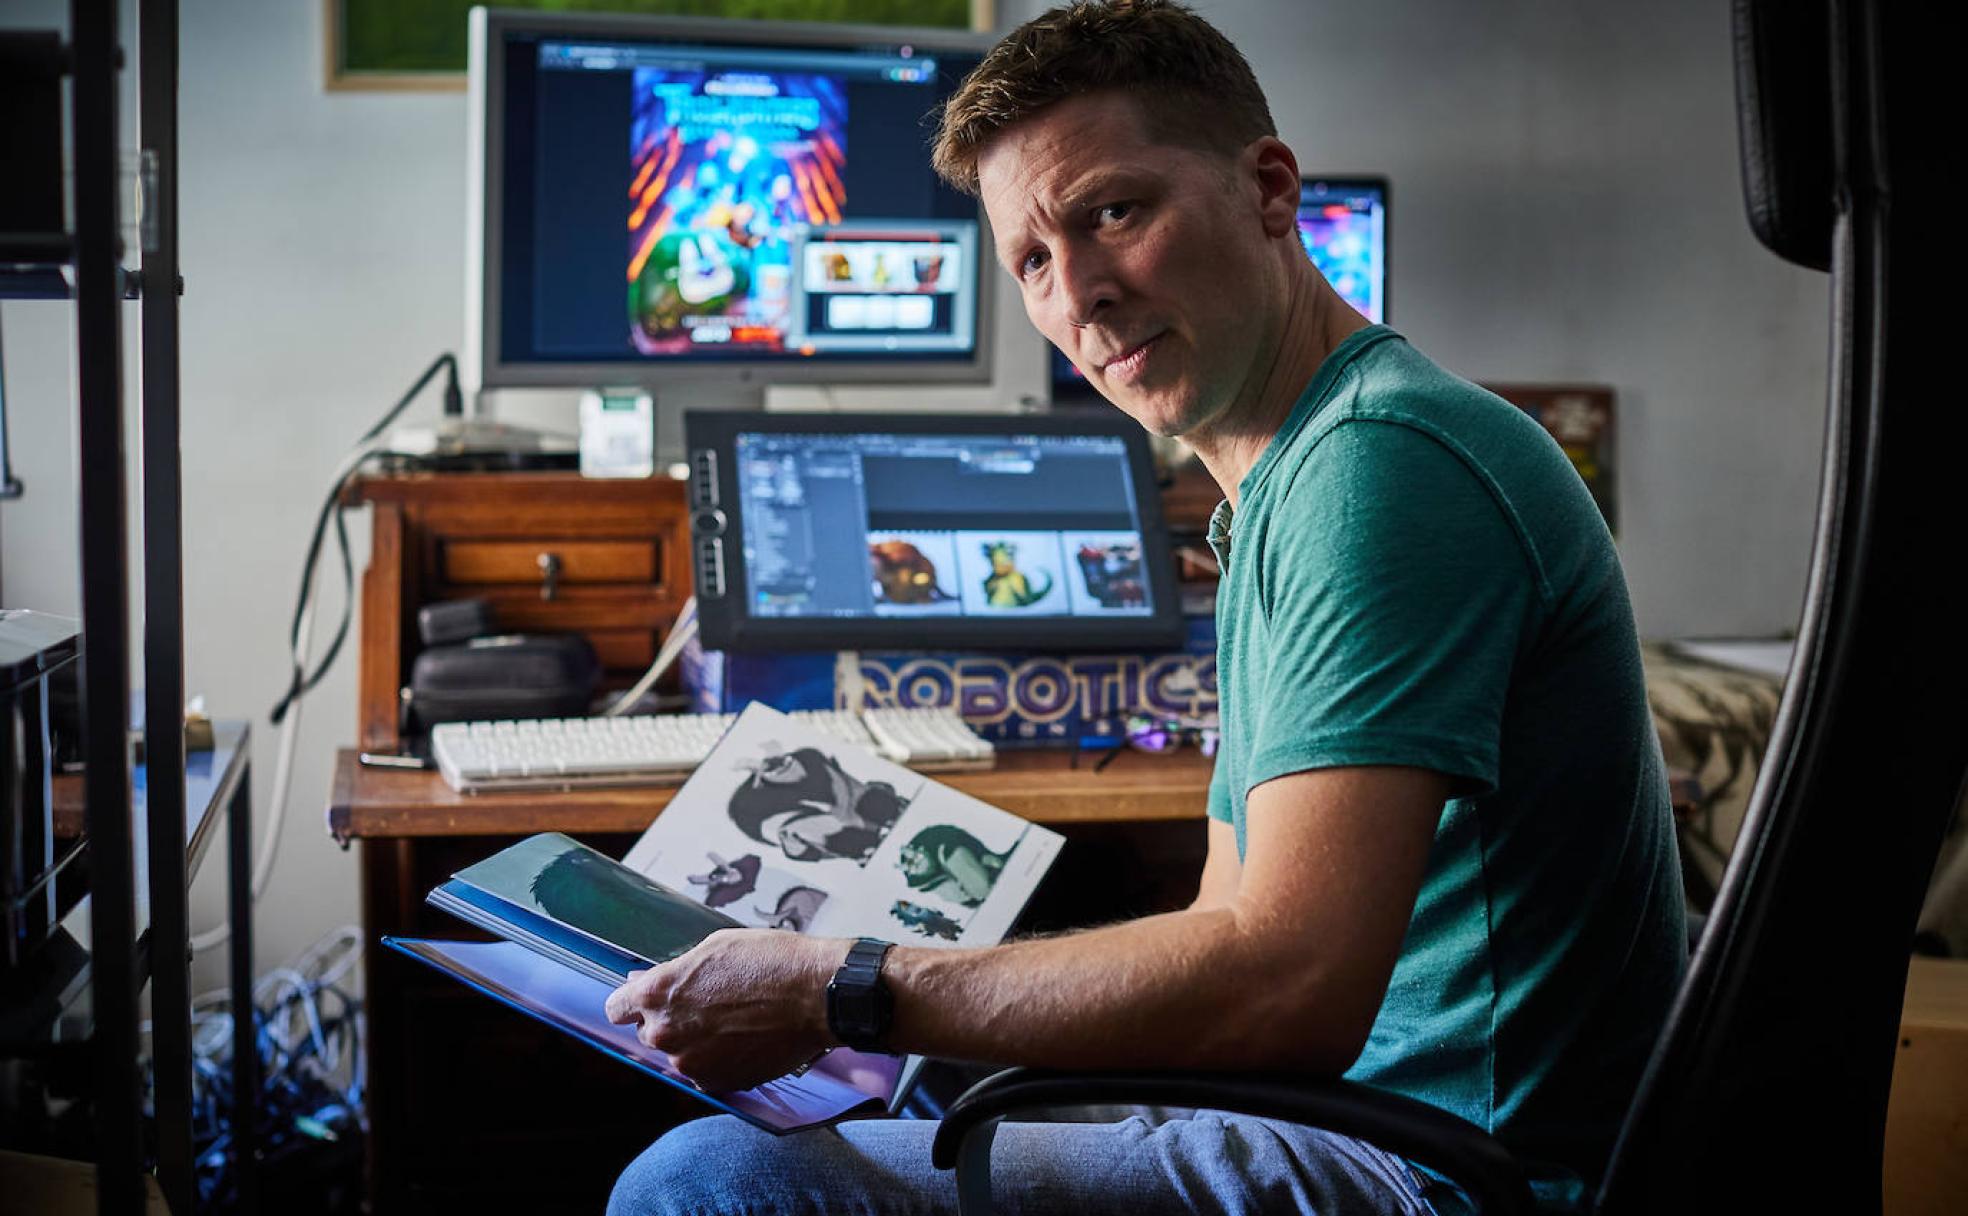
(834, 531)
(1342, 222)
(665, 197)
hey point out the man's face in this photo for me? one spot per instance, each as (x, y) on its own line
(1147, 263)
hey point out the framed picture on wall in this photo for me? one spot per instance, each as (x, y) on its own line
(1580, 418)
(420, 44)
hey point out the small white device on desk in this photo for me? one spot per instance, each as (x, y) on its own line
(663, 749)
(618, 433)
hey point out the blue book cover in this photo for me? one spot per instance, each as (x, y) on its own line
(841, 1083)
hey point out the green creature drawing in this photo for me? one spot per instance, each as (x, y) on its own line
(948, 861)
(614, 903)
(1008, 587)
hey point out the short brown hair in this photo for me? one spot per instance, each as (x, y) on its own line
(1194, 86)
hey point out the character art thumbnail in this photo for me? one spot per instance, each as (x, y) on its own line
(1113, 574)
(904, 574)
(1008, 586)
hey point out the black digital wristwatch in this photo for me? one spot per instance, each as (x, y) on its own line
(860, 1008)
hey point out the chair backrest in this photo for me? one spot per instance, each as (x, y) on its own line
(1769, 1085)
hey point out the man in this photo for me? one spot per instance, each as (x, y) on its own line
(1440, 859)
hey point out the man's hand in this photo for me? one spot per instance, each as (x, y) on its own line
(743, 1007)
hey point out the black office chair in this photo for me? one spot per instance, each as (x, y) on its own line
(1768, 1087)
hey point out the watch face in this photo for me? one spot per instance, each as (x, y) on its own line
(858, 1003)
(856, 1008)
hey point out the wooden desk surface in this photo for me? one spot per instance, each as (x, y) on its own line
(1043, 786)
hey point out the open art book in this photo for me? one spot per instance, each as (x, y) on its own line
(780, 827)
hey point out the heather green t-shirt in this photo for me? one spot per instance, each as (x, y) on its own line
(1415, 575)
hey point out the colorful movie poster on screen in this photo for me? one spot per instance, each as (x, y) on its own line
(726, 167)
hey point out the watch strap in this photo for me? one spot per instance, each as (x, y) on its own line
(866, 956)
(859, 1005)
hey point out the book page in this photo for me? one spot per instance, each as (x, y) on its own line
(784, 827)
(560, 878)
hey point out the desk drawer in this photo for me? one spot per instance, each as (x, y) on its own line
(484, 562)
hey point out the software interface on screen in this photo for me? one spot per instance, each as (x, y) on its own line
(901, 526)
(1343, 226)
(669, 202)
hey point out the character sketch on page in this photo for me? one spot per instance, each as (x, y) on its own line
(727, 882)
(794, 909)
(946, 861)
(811, 812)
(756, 894)
(925, 921)
(810, 808)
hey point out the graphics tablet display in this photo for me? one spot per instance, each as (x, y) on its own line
(914, 532)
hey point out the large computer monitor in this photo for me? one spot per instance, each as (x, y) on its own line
(1342, 222)
(701, 207)
(863, 531)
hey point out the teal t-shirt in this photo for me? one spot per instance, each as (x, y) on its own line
(1415, 575)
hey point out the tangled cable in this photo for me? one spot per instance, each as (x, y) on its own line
(308, 1035)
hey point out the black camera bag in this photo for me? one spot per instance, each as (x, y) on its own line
(544, 675)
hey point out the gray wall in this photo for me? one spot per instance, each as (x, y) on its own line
(1566, 208)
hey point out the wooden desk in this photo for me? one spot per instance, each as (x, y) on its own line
(1042, 786)
(473, 1107)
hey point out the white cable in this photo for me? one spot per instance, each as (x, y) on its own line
(290, 734)
(295, 1034)
(680, 635)
(333, 957)
(319, 966)
(672, 647)
(283, 775)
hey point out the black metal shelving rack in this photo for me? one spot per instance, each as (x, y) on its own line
(84, 261)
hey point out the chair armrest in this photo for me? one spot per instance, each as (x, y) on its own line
(1457, 1149)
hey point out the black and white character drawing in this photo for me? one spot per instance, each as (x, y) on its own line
(805, 804)
(727, 882)
(794, 910)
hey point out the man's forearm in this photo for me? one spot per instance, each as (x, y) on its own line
(1288, 972)
(1202, 988)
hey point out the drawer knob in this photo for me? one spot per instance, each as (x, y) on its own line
(549, 575)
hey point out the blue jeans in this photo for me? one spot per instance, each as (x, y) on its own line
(1199, 1161)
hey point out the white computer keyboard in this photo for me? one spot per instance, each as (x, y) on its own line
(662, 749)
